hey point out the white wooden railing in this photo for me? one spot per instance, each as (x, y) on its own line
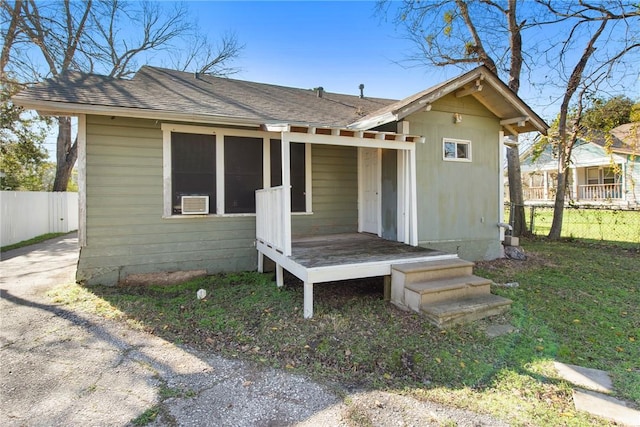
(534, 193)
(600, 191)
(272, 223)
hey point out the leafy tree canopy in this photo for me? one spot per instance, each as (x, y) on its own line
(21, 145)
(606, 114)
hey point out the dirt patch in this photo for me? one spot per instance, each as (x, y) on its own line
(163, 278)
(534, 260)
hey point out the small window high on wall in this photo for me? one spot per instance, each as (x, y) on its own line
(456, 150)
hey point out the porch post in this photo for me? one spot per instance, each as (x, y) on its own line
(545, 183)
(413, 228)
(279, 276)
(286, 193)
(574, 186)
(308, 300)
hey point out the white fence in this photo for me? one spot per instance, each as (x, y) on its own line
(27, 214)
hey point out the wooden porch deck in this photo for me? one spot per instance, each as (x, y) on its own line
(353, 248)
(337, 257)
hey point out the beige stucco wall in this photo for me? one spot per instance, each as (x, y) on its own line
(459, 202)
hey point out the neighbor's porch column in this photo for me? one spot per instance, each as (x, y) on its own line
(623, 183)
(574, 184)
(545, 184)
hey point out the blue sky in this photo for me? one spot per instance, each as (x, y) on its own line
(336, 45)
(340, 44)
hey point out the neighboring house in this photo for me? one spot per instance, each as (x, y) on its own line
(604, 170)
(185, 172)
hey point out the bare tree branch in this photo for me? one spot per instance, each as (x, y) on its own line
(10, 35)
(88, 35)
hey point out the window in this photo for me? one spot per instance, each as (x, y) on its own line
(193, 168)
(609, 176)
(242, 173)
(228, 166)
(298, 178)
(605, 175)
(456, 149)
(593, 176)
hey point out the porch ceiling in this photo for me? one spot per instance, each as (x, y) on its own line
(342, 136)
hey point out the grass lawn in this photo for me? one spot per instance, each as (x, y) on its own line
(576, 303)
(592, 224)
(31, 241)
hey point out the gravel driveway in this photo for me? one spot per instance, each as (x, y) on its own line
(64, 367)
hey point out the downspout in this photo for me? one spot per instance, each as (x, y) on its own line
(506, 226)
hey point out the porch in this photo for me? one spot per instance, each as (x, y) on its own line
(602, 184)
(338, 257)
(434, 283)
(585, 193)
(326, 256)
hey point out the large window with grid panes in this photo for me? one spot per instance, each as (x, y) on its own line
(217, 173)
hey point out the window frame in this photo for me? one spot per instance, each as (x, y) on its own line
(457, 142)
(220, 134)
(603, 175)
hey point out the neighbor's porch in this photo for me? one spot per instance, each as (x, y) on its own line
(600, 183)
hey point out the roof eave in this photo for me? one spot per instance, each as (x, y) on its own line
(54, 108)
(375, 121)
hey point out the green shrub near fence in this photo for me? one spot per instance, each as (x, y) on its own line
(613, 225)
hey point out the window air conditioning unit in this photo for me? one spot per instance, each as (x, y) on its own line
(195, 205)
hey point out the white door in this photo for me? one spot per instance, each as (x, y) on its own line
(370, 190)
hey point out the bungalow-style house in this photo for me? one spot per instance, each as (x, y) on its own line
(604, 170)
(182, 171)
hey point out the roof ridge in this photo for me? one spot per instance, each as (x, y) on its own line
(252, 82)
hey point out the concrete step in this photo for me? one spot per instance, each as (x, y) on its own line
(417, 294)
(430, 270)
(451, 312)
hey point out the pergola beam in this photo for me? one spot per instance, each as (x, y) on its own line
(471, 90)
(519, 120)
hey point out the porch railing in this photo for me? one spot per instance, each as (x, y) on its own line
(271, 224)
(600, 191)
(533, 193)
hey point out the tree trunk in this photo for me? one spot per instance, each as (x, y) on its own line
(558, 205)
(515, 192)
(66, 154)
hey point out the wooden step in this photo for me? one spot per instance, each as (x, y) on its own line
(430, 270)
(448, 313)
(447, 284)
(417, 294)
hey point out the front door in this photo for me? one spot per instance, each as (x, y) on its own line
(369, 191)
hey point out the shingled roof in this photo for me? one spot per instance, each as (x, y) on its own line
(165, 92)
(480, 83)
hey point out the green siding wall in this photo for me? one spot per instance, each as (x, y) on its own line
(125, 230)
(126, 233)
(459, 202)
(335, 192)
